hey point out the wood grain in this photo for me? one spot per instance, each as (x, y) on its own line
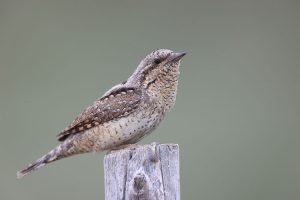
(147, 172)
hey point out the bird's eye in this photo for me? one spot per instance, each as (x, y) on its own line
(157, 61)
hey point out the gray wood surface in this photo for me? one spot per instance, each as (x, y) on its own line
(145, 172)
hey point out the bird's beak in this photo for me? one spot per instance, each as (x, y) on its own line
(174, 57)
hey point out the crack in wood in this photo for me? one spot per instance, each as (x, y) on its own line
(148, 172)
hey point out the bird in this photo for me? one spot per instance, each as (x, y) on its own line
(124, 114)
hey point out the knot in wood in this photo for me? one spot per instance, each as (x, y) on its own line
(140, 187)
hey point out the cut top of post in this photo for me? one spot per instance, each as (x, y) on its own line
(143, 172)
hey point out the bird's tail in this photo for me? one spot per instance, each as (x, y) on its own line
(53, 155)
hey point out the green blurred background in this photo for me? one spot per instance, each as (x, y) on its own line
(237, 114)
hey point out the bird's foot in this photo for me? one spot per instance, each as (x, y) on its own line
(124, 146)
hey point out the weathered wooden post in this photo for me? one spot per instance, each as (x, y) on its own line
(146, 172)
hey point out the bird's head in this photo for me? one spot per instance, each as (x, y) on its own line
(159, 64)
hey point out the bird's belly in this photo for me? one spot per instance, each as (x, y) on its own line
(127, 130)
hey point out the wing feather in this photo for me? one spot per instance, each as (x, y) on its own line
(116, 104)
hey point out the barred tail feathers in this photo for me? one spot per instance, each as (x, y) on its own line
(53, 155)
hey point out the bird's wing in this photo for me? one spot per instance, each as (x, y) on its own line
(116, 104)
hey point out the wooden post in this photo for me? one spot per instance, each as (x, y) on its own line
(146, 172)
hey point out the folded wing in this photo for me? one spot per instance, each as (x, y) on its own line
(117, 104)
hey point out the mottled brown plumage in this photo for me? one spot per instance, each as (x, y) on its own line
(124, 114)
(117, 104)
